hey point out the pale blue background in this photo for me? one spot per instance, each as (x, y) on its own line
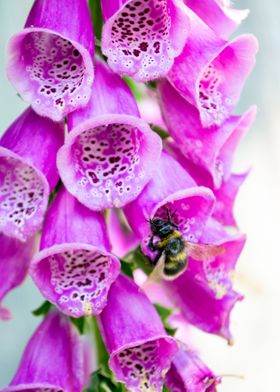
(256, 322)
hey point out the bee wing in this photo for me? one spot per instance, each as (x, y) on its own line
(203, 252)
(157, 273)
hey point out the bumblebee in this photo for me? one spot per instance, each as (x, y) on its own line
(172, 250)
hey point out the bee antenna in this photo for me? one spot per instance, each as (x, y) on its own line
(168, 213)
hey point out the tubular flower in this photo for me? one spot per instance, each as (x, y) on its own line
(210, 148)
(210, 72)
(142, 38)
(55, 359)
(139, 348)
(74, 268)
(27, 173)
(218, 15)
(171, 187)
(50, 61)
(189, 374)
(110, 153)
(204, 293)
(14, 262)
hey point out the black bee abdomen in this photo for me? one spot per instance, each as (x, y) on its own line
(174, 267)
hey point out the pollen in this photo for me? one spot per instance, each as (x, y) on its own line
(87, 308)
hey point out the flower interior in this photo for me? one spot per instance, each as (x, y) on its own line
(140, 42)
(43, 390)
(78, 280)
(56, 73)
(214, 106)
(107, 162)
(142, 367)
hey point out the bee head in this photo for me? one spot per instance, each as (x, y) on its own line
(161, 227)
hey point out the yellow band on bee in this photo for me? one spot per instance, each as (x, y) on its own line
(163, 243)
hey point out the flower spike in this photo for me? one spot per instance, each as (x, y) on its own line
(27, 173)
(141, 38)
(55, 359)
(74, 268)
(110, 153)
(210, 72)
(50, 61)
(139, 348)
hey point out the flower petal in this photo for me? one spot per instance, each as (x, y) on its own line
(14, 263)
(217, 15)
(122, 239)
(225, 198)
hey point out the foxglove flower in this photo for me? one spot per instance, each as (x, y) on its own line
(210, 148)
(210, 72)
(218, 15)
(204, 292)
(189, 374)
(139, 348)
(50, 61)
(142, 38)
(55, 359)
(171, 187)
(74, 268)
(110, 153)
(27, 173)
(14, 262)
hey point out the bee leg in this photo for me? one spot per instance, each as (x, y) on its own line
(170, 217)
(151, 245)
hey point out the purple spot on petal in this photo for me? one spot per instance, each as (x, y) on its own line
(149, 58)
(55, 69)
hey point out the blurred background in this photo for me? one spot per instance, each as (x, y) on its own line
(254, 358)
